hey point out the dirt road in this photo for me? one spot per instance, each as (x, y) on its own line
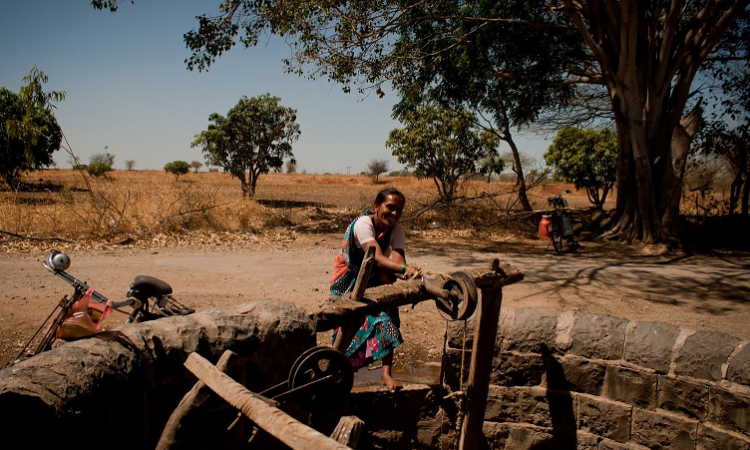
(690, 291)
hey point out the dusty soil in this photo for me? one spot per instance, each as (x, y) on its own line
(699, 292)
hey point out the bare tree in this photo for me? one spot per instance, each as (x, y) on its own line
(376, 167)
(196, 165)
(130, 164)
(291, 166)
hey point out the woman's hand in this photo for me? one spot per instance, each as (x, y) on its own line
(412, 272)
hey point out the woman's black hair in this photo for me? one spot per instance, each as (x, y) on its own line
(382, 195)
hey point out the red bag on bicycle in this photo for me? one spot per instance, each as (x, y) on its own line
(83, 319)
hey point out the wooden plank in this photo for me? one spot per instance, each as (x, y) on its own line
(193, 399)
(477, 387)
(348, 330)
(348, 430)
(339, 310)
(273, 420)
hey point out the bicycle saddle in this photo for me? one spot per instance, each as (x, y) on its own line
(145, 286)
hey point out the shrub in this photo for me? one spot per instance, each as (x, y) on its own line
(177, 168)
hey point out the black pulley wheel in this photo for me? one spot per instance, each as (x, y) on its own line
(468, 305)
(299, 360)
(319, 364)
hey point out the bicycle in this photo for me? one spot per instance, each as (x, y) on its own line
(149, 298)
(557, 226)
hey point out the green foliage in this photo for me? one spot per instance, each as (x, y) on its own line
(102, 158)
(442, 145)
(100, 164)
(29, 133)
(586, 158)
(99, 169)
(177, 168)
(254, 138)
(491, 164)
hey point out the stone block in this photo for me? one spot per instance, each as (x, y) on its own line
(607, 444)
(681, 396)
(587, 441)
(547, 408)
(503, 404)
(529, 437)
(533, 330)
(414, 403)
(605, 418)
(739, 367)
(713, 438)
(662, 430)
(634, 387)
(495, 434)
(576, 374)
(703, 354)
(650, 344)
(729, 409)
(517, 369)
(598, 336)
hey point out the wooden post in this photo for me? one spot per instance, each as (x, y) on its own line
(347, 331)
(482, 351)
(274, 421)
(348, 430)
(193, 399)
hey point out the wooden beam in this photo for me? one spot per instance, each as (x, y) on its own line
(274, 421)
(477, 387)
(339, 310)
(193, 399)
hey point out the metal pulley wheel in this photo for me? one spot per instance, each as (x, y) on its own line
(324, 377)
(463, 297)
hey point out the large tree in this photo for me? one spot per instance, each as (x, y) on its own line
(645, 53)
(28, 136)
(255, 137)
(442, 145)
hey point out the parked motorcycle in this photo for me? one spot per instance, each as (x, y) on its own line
(81, 314)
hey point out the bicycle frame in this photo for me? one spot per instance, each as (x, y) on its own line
(559, 223)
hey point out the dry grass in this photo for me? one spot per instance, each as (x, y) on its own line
(142, 205)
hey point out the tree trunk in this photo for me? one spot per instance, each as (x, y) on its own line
(518, 169)
(507, 136)
(746, 195)
(674, 173)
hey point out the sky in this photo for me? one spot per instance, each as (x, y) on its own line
(128, 89)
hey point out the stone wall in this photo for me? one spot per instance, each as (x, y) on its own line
(118, 389)
(565, 380)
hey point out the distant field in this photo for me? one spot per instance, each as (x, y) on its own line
(140, 204)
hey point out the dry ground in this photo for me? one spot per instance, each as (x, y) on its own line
(691, 291)
(216, 249)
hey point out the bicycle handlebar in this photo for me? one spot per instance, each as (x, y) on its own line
(82, 287)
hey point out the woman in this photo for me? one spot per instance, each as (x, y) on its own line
(379, 335)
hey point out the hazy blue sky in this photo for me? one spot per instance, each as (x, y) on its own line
(128, 87)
